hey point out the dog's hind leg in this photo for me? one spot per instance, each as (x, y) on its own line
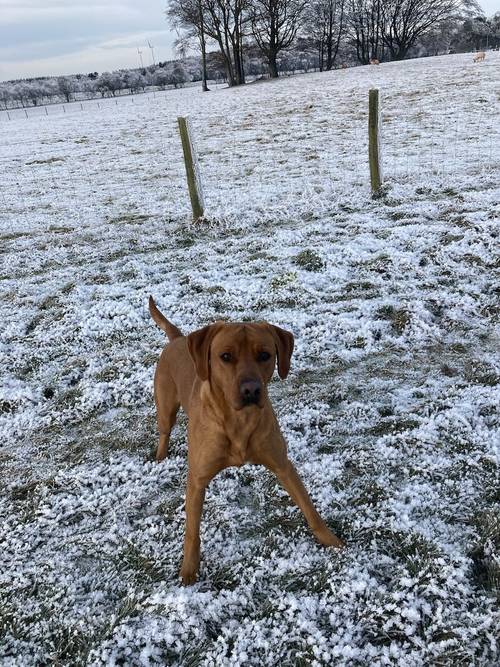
(167, 405)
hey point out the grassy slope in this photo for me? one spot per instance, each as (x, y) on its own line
(390, 411)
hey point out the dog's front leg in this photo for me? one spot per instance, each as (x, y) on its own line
(195, 496)
(291, 482)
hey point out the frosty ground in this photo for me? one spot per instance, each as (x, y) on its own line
(390, 410)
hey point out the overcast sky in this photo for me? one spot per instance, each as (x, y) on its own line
(53, 37)
(43, 37)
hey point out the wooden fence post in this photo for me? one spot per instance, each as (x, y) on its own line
(192, 169)
(374, 146)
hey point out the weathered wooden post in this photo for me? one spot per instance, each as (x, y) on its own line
(374, 147)
(192, 169)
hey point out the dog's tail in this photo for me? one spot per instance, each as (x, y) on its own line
(170, 329)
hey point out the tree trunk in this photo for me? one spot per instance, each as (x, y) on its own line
(402, 53)
(238, 58)
(231, 81)
(273, 65)
(329, 41)
(238, 65)
(239, 37)
(204, 85)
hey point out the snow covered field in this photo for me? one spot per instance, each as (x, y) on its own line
(390, 411)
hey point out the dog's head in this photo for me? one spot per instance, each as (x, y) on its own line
(239, 359)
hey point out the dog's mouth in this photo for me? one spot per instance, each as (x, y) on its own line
(250, 400)
(246, 403)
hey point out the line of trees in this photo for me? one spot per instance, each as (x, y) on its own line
(39, 91)
(363, 29)
(255, 38)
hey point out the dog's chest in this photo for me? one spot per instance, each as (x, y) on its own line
(238, 451)
(239, 443)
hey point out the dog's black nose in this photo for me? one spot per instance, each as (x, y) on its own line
(250, 391)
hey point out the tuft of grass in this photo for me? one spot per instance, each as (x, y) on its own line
(7, 407)
(185, 241)
(448, 371)
(358, 343)
(49, 160)
(480, 372)
(130, 218)
(107, 374)
(392, 426)
(399, 317)
(100, 279)
(223, 578)
(399, 215)
(486, 553)
(362, 289)
(195, 656)
(283, 280)
(458, 348)
(69, 645)
(135, 565)
(371, 494)
(171, 507)
(309, 260)
(26, 498)
(379, 264)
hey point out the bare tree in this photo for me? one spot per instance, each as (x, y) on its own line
(109, 82)
(66, 87)
(365, 21)
(178, 76)
(324, 24)
(405, 21)
(224, 22)
(220, 20)
(188, 16)
(478, 32)
(274, 26)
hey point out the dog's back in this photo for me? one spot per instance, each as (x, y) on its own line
(175, 372)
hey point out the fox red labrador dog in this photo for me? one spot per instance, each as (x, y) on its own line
(219, 375)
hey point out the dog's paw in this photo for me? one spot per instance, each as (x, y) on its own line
(188, 576)
(328, 539)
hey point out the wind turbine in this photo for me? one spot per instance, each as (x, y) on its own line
(140, 57)
(152, 52)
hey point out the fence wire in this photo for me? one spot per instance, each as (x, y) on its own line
(94, 163)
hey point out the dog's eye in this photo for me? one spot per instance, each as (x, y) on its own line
(263, 356)
(226, 356)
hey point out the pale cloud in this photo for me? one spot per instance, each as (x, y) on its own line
(490, 7)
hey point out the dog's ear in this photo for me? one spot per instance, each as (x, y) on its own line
(284, 348)
(199, 348)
